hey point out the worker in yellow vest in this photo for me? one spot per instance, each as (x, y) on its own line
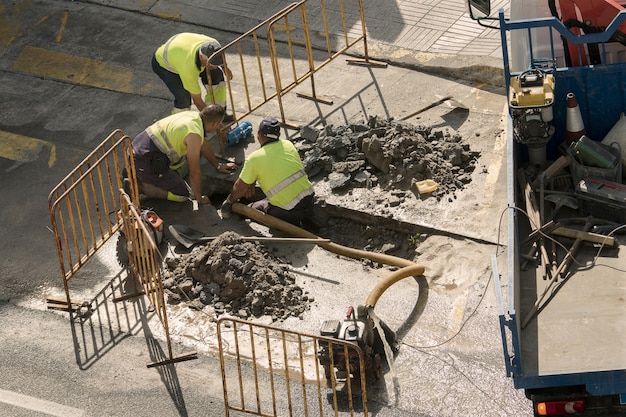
(183, 59)
(166, 150)
(277, 168)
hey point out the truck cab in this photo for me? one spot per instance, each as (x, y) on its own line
(563, 313)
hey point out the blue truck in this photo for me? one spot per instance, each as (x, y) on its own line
(562, 289)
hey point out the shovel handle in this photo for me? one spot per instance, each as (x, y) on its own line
(269, 239)
(430, 106)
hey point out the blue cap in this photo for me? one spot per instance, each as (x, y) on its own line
(270, 127)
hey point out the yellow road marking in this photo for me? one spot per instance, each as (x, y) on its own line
(62, 28)
(169, 14)
(9, 28)
(79, 70)
(22, 149)
(41, 20)
(62, 66)
(283, 27)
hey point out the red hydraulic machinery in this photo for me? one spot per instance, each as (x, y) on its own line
(586, 17)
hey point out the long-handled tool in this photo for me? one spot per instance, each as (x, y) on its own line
(188, 237)
(449, 99)
(561, 271)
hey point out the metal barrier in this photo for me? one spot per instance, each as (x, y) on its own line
(284, 376)
(291, 55)
(81, 206)
(88, 207)
(145, 264)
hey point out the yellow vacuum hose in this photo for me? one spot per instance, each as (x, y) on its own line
(389, 280)
(408, 268)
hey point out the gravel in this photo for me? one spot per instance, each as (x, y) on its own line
(245, 280)
(389, 154)
(236, 277)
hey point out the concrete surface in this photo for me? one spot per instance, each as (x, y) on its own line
(75, 71)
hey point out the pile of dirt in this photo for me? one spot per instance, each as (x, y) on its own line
(235, 277)
(386, 153)
(243, 279)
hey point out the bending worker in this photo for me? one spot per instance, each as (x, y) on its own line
(166, 150)
(278, 170)
(181, 60)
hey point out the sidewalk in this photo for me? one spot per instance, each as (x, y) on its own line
(434, 36)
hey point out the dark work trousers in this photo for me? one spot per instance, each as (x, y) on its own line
(182, 98)
(293, 216)
(168, 180)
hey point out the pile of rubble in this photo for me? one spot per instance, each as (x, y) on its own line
(244, 280)
(388, 154)
(235, 277)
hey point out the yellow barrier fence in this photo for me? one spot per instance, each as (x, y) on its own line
(88, 207)
(288, 48)
(268, 371)
(145, 264)
(84, 204)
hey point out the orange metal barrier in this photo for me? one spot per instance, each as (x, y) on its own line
(268, 371)
(145, 264)
(88, 207)
(297, 46)
(84, 204)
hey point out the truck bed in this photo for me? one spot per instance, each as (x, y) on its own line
(577, 336)
(575, 343)
(580, 327)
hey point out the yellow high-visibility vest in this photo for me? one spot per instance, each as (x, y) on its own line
(178, 55)
(169, 135)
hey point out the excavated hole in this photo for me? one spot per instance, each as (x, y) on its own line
(245, 279)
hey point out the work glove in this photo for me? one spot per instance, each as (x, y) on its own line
(226, 210)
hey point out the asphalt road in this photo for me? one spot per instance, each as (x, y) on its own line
(70, 78)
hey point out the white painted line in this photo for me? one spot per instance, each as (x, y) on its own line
(39, 405)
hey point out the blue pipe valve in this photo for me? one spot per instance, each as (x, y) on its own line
(239, 132)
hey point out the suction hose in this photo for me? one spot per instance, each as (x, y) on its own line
(408, 268)
(389, 280)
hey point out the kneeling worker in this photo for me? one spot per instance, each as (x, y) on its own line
(278, 170)
(164, 150)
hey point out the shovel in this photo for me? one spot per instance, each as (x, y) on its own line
(188, 237)
(448, 100)
(561, 200)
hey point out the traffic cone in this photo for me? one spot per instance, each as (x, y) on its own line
(574, 125)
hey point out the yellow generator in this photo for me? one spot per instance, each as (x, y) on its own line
(531, 97)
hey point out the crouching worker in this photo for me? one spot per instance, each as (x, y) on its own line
(277, 168)
(166, 150)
